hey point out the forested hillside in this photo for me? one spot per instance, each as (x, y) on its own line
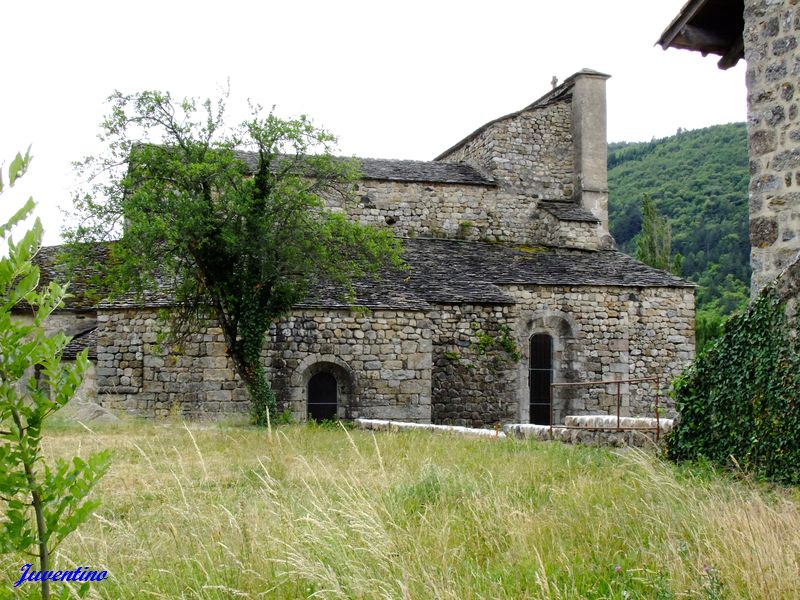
(698, 179)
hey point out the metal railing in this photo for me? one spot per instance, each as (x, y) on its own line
(618, 382)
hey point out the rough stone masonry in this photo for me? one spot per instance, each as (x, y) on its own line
(771, 40)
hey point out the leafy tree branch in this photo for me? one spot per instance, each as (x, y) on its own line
(42, 503)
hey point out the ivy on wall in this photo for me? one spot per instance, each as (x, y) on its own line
(739, 400)
(503, 341)
(499, 347)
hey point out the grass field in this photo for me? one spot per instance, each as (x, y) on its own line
(218, 512)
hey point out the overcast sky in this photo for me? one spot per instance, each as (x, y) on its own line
(391, 79)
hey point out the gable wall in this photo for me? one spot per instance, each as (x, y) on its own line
(554, 151)
(530, 153)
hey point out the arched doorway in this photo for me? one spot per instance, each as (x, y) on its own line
(540, 376)
(323, 397)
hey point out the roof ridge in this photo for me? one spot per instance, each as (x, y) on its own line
(399, 169)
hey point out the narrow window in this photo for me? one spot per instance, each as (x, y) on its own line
(322, 397)
(540, 377)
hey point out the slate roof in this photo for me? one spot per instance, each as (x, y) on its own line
(446, 271)
(405, 170)
(87, 339)
(81, 283)
(568, 211)
(476, 269)
(85, 279)
(423, 171)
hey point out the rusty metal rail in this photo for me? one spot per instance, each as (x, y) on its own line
(618, 382)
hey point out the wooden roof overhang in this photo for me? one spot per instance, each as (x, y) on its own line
(709, 27)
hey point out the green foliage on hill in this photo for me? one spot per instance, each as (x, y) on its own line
(698, 180)
(738, 400)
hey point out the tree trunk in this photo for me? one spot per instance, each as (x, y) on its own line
(38, 509)
(252, 373)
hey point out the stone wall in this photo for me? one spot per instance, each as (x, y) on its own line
(599, 334)
(577, 234)
(473, 386)
(383, 357)
(530, 152)
(605, 333)
(135, 375)
(382, 362)
(471, 212)
(430, 209)
(121, 344)
(788, 284)
(63, 321)
(772, 40)
(70, 323)
(447, 365)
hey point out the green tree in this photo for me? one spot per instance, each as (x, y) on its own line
(42, 504)
(708, 327)
(698, 180)
(654, 242)
(231, 219)
(730, 295)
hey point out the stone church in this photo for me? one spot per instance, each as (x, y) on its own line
(513, 284)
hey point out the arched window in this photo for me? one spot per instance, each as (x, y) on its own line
(323, 397)
(540, 376)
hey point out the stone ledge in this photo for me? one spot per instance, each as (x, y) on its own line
(589, 437)
(382, 425)
(610, 422)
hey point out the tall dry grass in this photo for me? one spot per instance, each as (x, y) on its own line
(219, 512)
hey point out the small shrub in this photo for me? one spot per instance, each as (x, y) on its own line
(504, 342)
(284, 417)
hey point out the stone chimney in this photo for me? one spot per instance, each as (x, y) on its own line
(590, 143)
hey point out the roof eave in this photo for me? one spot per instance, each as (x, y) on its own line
(486, 183)
(683, 34)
